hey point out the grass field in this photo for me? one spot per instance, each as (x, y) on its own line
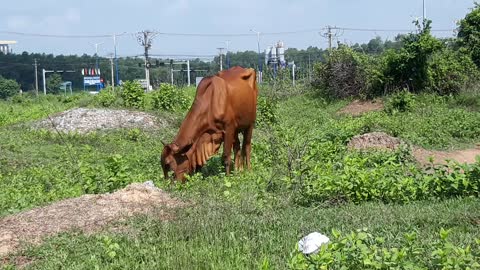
(304, 179)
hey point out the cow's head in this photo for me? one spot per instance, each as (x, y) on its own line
(173, 160)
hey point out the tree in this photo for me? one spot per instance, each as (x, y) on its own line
(408, 67)
(53, 83)
(8, 88)
(469, 33)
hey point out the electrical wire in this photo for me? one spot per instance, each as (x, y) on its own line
(220, 34)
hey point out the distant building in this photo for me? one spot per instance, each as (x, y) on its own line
(5, 46)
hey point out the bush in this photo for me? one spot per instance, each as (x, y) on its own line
(266, 111)
(106, 97)
(408, 67)
(133, 94)
(348, 74)
(8, 88)
(451, 71)
(361, 250)
(400, 102)
(468, 34)
(169, 98)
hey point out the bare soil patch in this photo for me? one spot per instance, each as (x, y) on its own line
(441, 157)
(84, 120)
(380, 140)
(359, 107)
(88, 213)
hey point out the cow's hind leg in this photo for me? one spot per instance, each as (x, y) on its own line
(227, 149)
(247, 146)
(237, 153)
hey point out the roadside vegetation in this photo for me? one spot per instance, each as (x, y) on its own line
(381, 209)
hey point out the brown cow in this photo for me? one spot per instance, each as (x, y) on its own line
(225, 105)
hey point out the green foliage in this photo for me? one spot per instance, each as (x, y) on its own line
(361, 250)
(8, 88)
(106, 97)
(169, 98)
(348, 73)
(469, 35)
(449, 72)
(409, 66)
(266, 111)
(402, 101)
(133, 94)
(108, 177)
(53, 83)
(249, 220)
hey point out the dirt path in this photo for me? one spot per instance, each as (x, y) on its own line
(88, 213)
(381, 140)
(440, 157)
(358, 107)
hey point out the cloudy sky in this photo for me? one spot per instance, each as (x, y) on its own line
(89, 17)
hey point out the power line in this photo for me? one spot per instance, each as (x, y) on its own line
(56, 35)
(300, 31)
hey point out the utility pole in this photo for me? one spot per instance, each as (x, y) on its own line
(424, 11)
(226, 54)
(330, 35)
(145, 39)
(111, 67)
(220, 51)
(188, 71)
(96, 58)
(259, 56)
(36, 77)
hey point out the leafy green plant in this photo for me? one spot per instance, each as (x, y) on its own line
(8, 88)
(169, 98)
(361, 250)
(133, 94)
(402, 101)
(106, 97)
(266, 111)
(408, 67)
(449, 72)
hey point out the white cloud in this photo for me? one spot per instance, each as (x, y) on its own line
(58, 23)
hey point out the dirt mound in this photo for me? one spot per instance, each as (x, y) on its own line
(358, 107)
(377, 140)
(83, 120)
(87, 213)
(380, 140)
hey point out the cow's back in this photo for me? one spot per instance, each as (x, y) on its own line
(241, 95)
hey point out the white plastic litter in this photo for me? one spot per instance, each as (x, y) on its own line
(312, 243)
(149, 183)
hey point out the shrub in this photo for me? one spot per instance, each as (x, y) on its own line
(266, 111)
(451, 71)
(468, 34)
(169, 98)
(8, 88)
(408, 67)
(361, 250)
(348, 74)
(133, 94)
(400, 102)
(106, 97)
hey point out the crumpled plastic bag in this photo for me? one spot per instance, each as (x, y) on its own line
(311, 243)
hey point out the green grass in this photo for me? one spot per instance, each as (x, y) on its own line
(242, 221)
(216, 235)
